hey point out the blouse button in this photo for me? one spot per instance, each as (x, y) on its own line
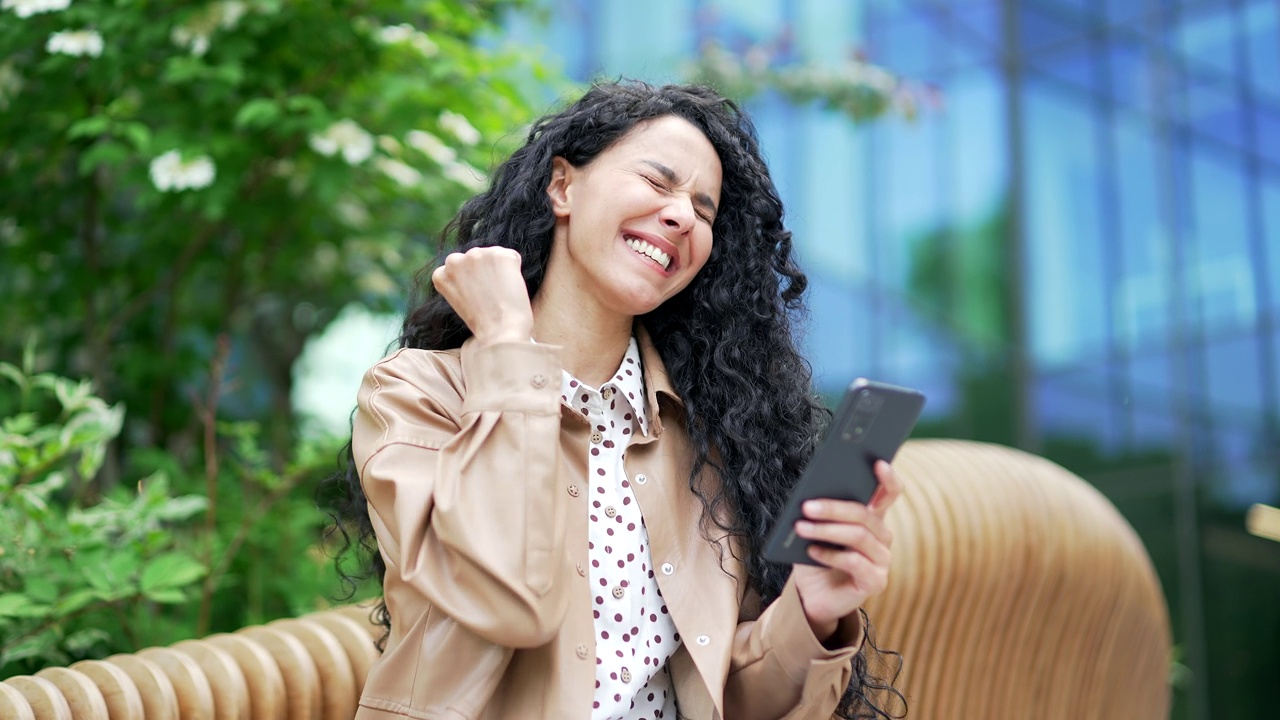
(668, 568)
(597, 437)
(704, 640)
(607, 393)
(610, 512)
(641, 479)
(573, 490)
(539, 380)
(581, 651)
(626, 675)
(618, 592)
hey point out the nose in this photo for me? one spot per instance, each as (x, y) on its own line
(678, 214)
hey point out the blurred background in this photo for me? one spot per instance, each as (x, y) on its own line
(1059, 218)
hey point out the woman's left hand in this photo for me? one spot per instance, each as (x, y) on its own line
(857, 569)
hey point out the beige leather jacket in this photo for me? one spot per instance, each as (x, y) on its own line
(473, 469)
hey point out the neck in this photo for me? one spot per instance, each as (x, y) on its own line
(593, 338)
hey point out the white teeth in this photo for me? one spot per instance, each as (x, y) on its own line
(649, 250)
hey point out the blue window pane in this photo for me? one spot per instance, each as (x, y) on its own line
(1131, 75)
(1076, 67)
(668, 31)
(840, 340)
(1142, 292)
(1126, 13)
(736, 23)
(1261, 29)
(909, 43)
(1233, 370)
(979, 21)
(1218, 271)
(828, 203)
(1205, 36)
(1078, 409)
(1048, 29)
(1271, 243)
(1065, 271)
(1214, 109)
(827, 32)
(1149, 378)
(1266, 129)
(978, 144)
(912, 203)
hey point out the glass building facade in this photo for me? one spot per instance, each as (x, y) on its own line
(1077, 253)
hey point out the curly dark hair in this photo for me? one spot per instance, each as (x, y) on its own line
(726, 339)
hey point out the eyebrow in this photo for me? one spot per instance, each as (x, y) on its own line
(670, 176)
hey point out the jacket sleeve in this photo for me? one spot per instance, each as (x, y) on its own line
(779, 669)
(463, 500)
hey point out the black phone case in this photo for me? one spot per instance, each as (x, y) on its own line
(843, 466)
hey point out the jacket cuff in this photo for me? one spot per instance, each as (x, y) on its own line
(522, 377)
(787, 631)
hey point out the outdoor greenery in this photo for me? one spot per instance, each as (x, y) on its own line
(190, 193)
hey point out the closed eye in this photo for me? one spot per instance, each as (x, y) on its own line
(658, 184)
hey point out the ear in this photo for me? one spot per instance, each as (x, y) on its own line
(560, 187)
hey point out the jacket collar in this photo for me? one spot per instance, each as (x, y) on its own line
(656, 380)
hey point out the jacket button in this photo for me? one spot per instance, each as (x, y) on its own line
(625, 675)
(610, 511)
(618, 592)
(641, 479)
(573, 490)
(597, 437)
(582, 652)
(668, 568)
(704, 640)
(539, 380)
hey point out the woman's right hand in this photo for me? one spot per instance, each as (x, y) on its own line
(485, 287)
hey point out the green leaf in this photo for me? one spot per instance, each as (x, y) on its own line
(41, 589)
(167, 596)
(76, 600)
(13, 373)
(171, 570)
(181, 508)
(19, 605)
(257, 113)
(89, 127)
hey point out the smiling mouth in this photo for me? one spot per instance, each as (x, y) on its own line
(646, 249)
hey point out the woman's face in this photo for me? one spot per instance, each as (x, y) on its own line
(634, 224)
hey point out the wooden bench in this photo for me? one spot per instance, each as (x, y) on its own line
(1017, 591)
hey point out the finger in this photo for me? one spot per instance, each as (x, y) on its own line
(858, 538)
(889, 491)
(848, 512)
(869, 577)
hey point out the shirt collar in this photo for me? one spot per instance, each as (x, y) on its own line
(627, 385)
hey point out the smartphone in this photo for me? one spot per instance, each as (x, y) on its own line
(872, 422)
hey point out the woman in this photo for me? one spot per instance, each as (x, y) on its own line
(570, 466)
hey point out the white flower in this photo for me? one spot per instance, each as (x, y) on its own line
(389, 144)
(461, 129)
(393, 34)
(465, 175)
(170, 173)
(404, 175)
(75, 43)
(27, 8)
(347, 137)
(431, 146)
(196, 42)
(230, 13)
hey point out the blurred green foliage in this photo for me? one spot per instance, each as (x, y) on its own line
(188, 193)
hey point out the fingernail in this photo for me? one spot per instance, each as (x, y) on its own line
(803, 526)
(813, 506)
